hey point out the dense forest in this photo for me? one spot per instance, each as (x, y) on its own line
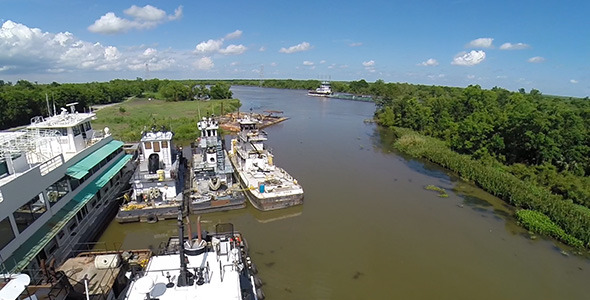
(23, 100)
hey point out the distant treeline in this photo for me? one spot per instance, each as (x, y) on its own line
(23, 100)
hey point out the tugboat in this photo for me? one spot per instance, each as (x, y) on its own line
(213, 187)
(212, 266)
(324, 90)
(158, 182)
(267, 186)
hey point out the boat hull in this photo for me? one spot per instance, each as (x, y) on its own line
(267, 202)
(235, 201)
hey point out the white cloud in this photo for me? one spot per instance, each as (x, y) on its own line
(273, 64)
(517, 46)
(233, 50)
(150, 52)
(355, 44)
(308, 63)
(209, 46)
(297, 48)
(111, 24)
(262, 49)
(29, 49)
(481, 43)
(234, 63)
(234, 35)
(536, 59)
(469, 58)
(322, 61)
(143, 18)
(204, 63)
(369, 63)
(146, 13)
(573, 81)
(431, 62)
(470, 76)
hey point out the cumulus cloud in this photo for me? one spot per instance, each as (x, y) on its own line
(355, 44)
(204, 63)
(431, 62)
(573, 81)
(536, 59)
(481, 43)
(23, 48)
(322, 61)
(308, 63)
(209, 46)
(31, 51)
(469, 58)
(234, 35)
(517, 46)
(297, 48)
(146, 17)
(262, 49)
(233, 50)
(369, 63)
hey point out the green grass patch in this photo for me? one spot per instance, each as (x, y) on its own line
(141, 114)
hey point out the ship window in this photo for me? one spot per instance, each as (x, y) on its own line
(6, 233)
(147, 145)
(60, 234)
(72, 226)
(76, 130)
(164, 144)
(28, 213)
(156, 146)
(57, 190)
(3, 169)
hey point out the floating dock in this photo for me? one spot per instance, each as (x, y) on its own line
(230, 122)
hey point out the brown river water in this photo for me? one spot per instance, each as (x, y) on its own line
(368, 228)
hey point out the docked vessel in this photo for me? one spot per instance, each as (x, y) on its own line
(158, 182)
(267, 186)
(211, 266)
(324, 90)
(96, 275)
(212, 182)
(59, 184)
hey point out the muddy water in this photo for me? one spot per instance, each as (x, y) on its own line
(369, 228)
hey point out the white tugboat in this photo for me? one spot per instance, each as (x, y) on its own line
(158, 182)
(213, 266)
(59, 182)
(324, 90)
(267, 186)
(213, 186)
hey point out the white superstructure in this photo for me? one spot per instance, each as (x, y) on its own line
(58, 179)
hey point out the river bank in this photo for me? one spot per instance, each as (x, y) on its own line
(572, 219)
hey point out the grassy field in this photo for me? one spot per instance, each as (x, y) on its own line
(128, 119)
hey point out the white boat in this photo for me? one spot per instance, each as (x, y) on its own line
(324, 90)
(213, 266)
(59, 182)
(158, 182)
(212, 182)
(267, 186)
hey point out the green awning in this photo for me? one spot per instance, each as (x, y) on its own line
(28, 250)
(81, 168)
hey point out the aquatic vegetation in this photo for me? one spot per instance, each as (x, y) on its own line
(574, 219)
(441, 192)
(540, 223)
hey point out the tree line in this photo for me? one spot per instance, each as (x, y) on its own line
(21, 101)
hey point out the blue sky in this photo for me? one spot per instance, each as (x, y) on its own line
(512, 44)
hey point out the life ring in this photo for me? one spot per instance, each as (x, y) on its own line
(151, 219)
